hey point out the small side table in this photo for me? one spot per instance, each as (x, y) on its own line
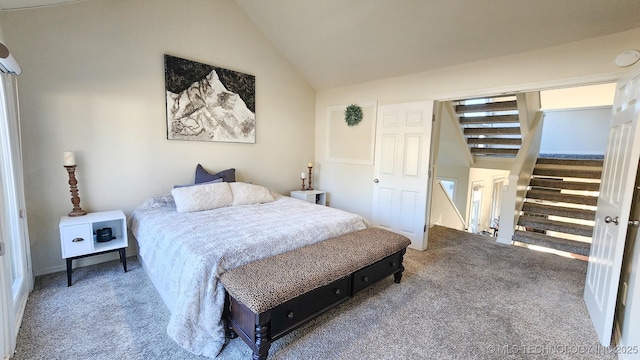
(313, 196)
(78, 237)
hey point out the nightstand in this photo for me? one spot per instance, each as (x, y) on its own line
(312, 196)
(78, 237)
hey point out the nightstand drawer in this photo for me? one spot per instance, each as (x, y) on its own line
(76, 240)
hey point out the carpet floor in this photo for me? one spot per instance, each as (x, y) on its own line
(465, 297)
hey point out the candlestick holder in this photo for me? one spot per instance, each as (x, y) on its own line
(302, 188)
(310, 177)
(75, 199)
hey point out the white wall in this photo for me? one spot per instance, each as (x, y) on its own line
(93, 82)
(443, 211)
(461, 175)
(576, 131)
(578, 97)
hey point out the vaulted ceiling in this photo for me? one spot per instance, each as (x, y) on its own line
(335, 43)
(341, 42)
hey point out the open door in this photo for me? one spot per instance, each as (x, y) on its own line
(401, 170)
(614, 205)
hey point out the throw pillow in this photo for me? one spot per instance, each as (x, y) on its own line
(244, 194)
(203, 175)
(202, 197)
(208, 182)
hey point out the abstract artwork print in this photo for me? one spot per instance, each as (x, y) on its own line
(208, 103)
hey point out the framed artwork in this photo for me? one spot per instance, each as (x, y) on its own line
(209, 103)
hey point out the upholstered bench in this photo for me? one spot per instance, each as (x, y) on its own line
(270, 297)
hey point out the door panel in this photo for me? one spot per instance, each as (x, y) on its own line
(401, 170)
(412, 155)
(409, 207)
(614, 205)
(385, 206)
(388, 154)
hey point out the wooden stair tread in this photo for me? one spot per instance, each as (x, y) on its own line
(568, 172)
(493, 119)
(494, 151)
(544, 209)
(559, 197)
(553, 225)
(552, 242)
(561, 184)
(494, 141)
(571, 162)
(492, 131)
(488, 107)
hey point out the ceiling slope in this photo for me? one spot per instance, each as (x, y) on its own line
(335, 43)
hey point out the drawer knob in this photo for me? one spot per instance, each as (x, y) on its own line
(290, 314)
(77, 240)
(394, 264)
(365, 278)
(337, 291)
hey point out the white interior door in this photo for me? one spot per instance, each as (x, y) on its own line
(401, 170)
(614, 206)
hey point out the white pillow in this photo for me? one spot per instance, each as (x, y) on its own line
(202, 197)
(244, 194)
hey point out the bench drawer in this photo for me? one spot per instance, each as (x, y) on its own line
(377, 271)
(296, 311)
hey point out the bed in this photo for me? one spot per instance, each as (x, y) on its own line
(184, 253)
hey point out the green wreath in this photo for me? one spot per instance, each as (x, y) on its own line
(353, 115)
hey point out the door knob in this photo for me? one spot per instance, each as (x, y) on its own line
(609, 219)
(376, 181)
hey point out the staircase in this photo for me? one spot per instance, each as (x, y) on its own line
(491, 126)
(559, 209)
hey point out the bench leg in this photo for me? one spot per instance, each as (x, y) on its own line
(226, 316)
(229, 330)
(397, 277)
(263, 343)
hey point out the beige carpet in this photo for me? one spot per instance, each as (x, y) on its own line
(465, 297)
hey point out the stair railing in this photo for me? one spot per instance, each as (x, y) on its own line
(519, 177)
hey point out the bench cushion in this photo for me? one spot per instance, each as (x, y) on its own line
(261, 285)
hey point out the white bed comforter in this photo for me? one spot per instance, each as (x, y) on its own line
(185, 253)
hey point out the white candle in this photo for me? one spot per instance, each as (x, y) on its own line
(303, 175)
(310, 165)
(69, 158)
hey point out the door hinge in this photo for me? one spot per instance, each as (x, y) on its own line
(425, 228)
(433, 117)
(23, 213)
(1, 249)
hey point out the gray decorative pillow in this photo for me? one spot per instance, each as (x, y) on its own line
(203, 175)
(208, 182)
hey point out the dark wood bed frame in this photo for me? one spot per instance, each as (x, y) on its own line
(260, 330)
